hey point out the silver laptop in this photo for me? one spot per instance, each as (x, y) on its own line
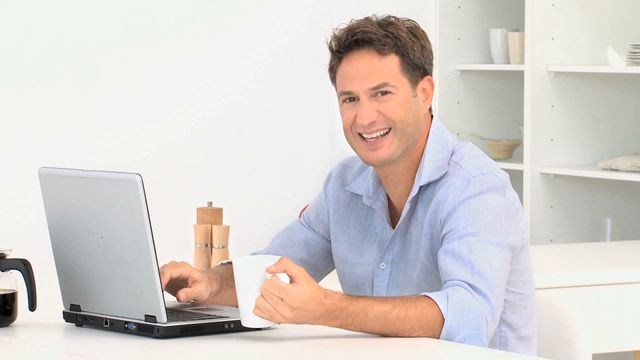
(106, 261)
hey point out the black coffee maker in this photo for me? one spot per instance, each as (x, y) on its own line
(9, 287)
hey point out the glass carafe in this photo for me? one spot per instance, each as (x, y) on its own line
(9, 287)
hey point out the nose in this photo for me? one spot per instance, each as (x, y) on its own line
(366, 114)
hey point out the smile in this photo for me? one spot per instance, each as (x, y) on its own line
(376, 135)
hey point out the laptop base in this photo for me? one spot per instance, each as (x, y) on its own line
(152, 330)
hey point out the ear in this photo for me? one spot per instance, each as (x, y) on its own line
(425, 90)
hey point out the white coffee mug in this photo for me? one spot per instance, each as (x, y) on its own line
(250, 273)
(499, 45)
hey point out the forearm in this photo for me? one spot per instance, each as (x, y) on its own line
(226, 289)
(410, 316)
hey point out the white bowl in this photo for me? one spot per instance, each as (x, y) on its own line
(502, 149)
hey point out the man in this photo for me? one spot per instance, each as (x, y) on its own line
(426, 234)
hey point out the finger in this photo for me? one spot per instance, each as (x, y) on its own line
(196, 293)
(284, 265)
(266, 311)
(276, 301)
(276, 287)
(165, 274)
(173, 271)
(261, 314)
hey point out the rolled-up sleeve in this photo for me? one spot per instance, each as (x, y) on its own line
(481, 230)
(306, 241)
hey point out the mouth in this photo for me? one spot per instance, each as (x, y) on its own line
(368, 137)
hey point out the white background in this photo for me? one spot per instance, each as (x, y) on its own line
(221, 101)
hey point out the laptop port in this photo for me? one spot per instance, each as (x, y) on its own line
(130, 326)
(105, 323)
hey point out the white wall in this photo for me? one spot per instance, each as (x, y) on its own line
(222, 101)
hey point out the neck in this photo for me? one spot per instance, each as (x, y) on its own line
(398, 178)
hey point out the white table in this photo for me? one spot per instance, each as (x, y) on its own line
(588, 298)
(57, 340)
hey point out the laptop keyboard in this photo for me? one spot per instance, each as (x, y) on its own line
(182, 315)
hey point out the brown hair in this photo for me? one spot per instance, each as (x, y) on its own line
(385, 35)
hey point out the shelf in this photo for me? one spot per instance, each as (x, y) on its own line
(590, 171)
(489, 67)
(585, 264)
(595, 69)
(510, 165)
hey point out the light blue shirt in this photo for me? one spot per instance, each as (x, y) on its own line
(461, 240)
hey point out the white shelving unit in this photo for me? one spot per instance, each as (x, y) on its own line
(489, 67)
(594, 69)
(510, 165)
(590, 171)
(575, 110)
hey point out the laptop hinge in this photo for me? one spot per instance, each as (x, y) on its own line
(75, 308)
(150, 319)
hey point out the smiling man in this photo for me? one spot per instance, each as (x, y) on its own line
(426, 234)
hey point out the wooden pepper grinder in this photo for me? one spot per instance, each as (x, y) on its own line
(219, 243)
(206, 218)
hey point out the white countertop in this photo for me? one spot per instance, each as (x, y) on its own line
(555, 266)
(57, 340)
(586, 264)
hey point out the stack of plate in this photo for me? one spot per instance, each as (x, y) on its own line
(633, 54)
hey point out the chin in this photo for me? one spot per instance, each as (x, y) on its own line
(368, 158)
(371, 160)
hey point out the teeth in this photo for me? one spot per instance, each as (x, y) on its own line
(375, 134)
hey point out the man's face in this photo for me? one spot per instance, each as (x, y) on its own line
(384, 118)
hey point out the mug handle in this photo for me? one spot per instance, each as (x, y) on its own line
(283, 277)
(25, 269)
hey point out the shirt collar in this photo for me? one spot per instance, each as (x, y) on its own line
(433, 165)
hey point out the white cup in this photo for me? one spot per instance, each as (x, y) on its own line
(499, 45)
(516, 47)
(249, 273)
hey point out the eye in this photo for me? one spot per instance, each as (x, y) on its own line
(349, 99)
(382, 93)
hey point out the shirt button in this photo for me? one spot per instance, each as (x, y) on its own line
(383, 266)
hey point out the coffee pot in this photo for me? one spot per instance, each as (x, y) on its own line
(9, 287)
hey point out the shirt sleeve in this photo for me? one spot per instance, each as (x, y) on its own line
(306, 241)
(481, 230)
